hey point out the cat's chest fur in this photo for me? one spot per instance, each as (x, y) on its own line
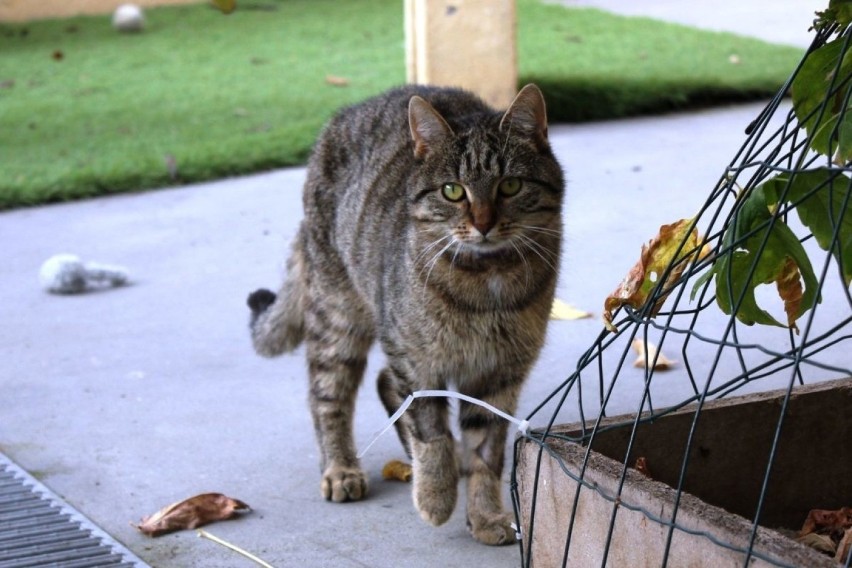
(472, 347)
(466, 347)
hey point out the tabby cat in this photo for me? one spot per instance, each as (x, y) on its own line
(433, 224)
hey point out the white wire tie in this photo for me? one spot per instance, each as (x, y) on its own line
(523, 425)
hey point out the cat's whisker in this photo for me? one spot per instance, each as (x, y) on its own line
(545, 230)
(434, 259)
(527, 268)
(535, 229)
(549, 253)
(430, 247)
(453, 259)
(539, 250)
(431, 264)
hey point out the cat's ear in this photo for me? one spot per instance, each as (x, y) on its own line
(527, 115)
(428, 128)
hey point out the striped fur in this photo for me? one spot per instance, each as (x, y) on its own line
(457, 292)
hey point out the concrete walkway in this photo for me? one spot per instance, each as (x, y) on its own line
(124, 401)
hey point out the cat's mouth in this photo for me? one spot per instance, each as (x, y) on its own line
(483, 255)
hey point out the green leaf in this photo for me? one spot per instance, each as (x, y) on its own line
(701, 281)
(818, 110)
(838, 12)
(820, 199)
(844, 140)
(746, 266)
(841, 11)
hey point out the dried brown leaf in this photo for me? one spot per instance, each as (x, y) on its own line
(642, 466)
(663, 250)
(844, 547)
(626, 293)
(337, 81)
(397, 471)
(648, 356)
(819, 542)
(789, 283)
(225, 6)
(823, 520)
(192, 513)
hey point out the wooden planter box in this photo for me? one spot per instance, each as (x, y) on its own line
(727, 462)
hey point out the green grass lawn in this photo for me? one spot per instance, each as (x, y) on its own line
(86, 111)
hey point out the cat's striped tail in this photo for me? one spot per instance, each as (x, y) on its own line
(277, 320)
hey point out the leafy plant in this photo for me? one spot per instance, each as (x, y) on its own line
(838, 12)
(821, 100)
(762, 249)
(758, 247)
(821, 198)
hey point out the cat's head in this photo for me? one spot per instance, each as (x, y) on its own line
(488, 189)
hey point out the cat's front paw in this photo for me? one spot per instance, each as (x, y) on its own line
(435, 499)
(436, 477)
(260, 300)
(491, 528)
(341, 484)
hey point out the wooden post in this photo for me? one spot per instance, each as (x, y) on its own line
(463, 43)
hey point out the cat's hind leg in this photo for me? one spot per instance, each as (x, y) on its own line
(392, 399)
(338, 337)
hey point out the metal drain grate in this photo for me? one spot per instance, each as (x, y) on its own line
(38, 529)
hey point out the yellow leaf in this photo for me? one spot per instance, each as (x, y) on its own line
(225, 6)
(562, 311)
(396, 470)
(655, 258)
(648, 356)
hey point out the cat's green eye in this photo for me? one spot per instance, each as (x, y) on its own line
(509, 187)
(453, 191)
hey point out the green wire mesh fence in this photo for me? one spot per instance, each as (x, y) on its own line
(752, 294)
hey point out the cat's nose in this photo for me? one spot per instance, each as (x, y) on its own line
(484, 227)
(484, 218)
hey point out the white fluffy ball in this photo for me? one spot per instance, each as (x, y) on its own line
(63, 274)
(128, 18)
(67, 274)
